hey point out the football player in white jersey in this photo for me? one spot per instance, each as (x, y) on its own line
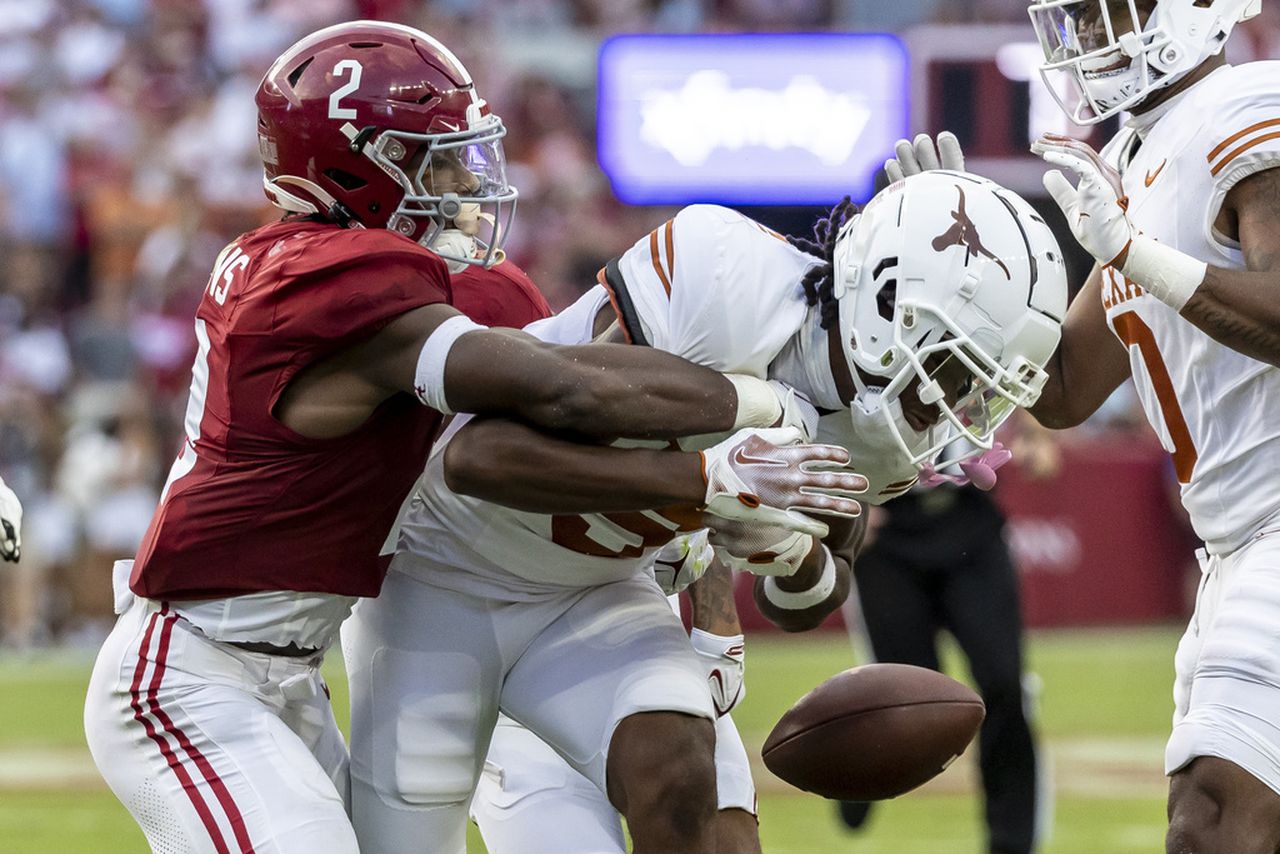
(1182, 212)
(925, 319)
(10, 524)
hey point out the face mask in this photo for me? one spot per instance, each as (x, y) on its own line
(1115, 87)
(873, 448)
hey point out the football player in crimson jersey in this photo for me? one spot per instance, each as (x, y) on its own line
(206, 712)
(1181, 210)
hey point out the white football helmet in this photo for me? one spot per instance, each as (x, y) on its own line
(953, 280)
(1114, 60)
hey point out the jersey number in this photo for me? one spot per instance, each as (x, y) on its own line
(1135, 333)
(336, 110)
(232, 260)
(621, 535)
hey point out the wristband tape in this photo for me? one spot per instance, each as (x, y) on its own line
(428, 378)
(1167, 274)
(758, 404)
(716, 646)
(799, 600)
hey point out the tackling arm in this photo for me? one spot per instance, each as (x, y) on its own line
(602, 390)
(516, 465)
(750, 476)
(1089, 364)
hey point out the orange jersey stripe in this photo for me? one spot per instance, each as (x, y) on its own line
(657, 261)
(1253, 143)
(769, 231)
(613, 301)
(1222, 146)
(670, 229)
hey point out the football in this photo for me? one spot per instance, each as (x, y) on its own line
(873, 732)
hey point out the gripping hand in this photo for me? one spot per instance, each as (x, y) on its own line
(760, 549)
(1096, 207)
(764, 476)
(682, 561)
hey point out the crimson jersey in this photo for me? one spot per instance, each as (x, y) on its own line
(251, 505)
(499, 296)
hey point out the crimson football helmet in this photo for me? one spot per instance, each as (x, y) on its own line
(378, 125)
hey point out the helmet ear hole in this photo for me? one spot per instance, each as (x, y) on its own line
(887, 296)
(345, 179)
(887, 299)
(296, 74)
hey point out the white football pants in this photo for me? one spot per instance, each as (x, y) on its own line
(1227, 692)
(215, 750)
(430, 667)
(530, 801)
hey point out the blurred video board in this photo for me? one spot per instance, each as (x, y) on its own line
(790, 118)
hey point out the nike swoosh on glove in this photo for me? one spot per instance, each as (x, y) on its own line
(766, 476)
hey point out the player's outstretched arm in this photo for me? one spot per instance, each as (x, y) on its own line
(1237, 308)
(752, 475)
(802, 601)
(605, 390)
(600, 390)
(1089, 364)
(517, 465)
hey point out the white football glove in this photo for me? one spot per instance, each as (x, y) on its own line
(763, 476)
(760, 549)
(682, 561)
(10, 524)
(724, 658)
(1097, 207)
(797, 411)
(922, 155)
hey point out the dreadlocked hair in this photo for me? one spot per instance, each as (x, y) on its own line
(819, 282)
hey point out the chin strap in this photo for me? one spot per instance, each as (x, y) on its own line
(285, 200)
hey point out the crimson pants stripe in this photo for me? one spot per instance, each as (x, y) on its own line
(211, 777)
(188, 786)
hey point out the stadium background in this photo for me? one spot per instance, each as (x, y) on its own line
(127, 160)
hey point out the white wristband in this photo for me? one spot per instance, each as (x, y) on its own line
(758, 404)
(800, 600)
(716, 646)
(1167, 274)
(428, 379)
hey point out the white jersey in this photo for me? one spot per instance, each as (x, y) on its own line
(1215, 410)
(711, 286)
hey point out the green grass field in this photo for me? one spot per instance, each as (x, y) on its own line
(1104, 715)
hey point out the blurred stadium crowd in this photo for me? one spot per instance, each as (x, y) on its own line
(128, 158)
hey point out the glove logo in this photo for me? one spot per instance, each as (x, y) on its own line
(742, 458)
(965, 233)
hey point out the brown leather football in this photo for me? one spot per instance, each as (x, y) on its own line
(873, 732)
